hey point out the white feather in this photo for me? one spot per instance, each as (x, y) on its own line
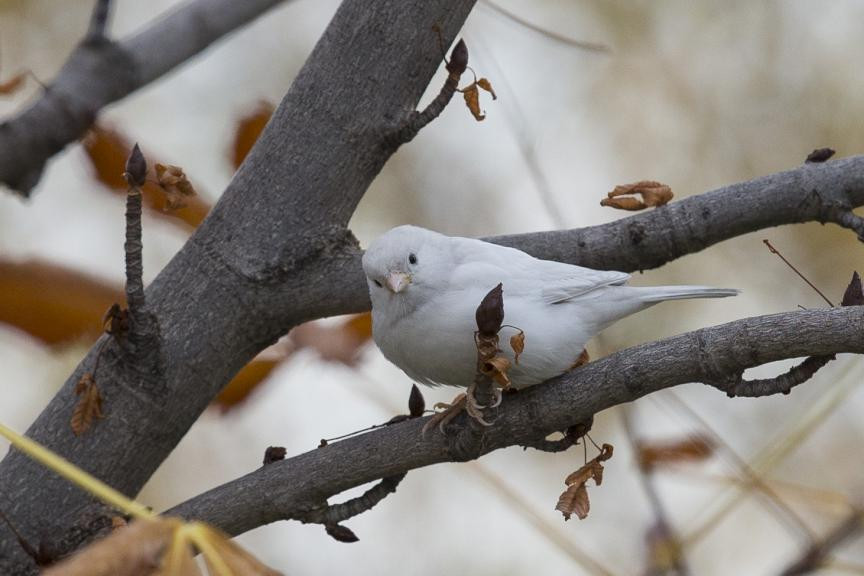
(428, 328)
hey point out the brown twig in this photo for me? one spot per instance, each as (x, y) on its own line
(662, 534)
(800, 275)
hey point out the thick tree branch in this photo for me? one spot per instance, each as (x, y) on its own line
(275, 252)
(649, 239)
(284, 489)
(257, 266)
(100, 71)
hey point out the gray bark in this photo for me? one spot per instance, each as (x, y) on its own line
(100, 72)
(287, 489)
(275, 252)
(256, 267)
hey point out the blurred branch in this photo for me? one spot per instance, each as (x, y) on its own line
(101, 71)
(665, 553)
(816, 555)
(574, 397)
(513, 17)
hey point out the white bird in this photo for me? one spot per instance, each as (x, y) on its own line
(425, 288)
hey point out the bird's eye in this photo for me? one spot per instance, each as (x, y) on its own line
(377, 283)
(412, 258)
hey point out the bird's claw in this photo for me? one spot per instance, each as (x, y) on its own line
(464, 401)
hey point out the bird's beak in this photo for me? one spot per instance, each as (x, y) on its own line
(397, 281)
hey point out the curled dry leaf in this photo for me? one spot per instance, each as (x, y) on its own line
(116, 320)
(13, 84)
(517, 343)
(416, 402)
(176, 186)
(89, 405)
(574, 500)
(341, 533)
(487, 86)
(472, 100)
(691, 449)
(496, 368)
(854, 296)
(652, 193)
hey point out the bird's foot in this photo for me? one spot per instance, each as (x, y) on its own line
(464, 401)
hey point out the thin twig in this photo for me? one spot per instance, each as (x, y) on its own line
(663, 534)
(789, 264)
(336, 513)
(737, 386)
(98, 21)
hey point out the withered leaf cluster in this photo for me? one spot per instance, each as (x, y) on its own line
(13, 84)
(471, 93)
(574, 500)
(176, 186)
(624, 197)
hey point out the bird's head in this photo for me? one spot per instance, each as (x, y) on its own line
(405, 265)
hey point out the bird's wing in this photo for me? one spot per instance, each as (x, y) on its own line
(520, 272)
(562, 282)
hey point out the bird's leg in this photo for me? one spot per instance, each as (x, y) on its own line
(581, 360)
(449, 412)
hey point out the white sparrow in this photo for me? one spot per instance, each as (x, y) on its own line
(425, 288)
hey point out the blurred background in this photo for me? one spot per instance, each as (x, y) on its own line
(695, 95)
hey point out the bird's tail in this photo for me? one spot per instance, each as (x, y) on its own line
(653, 294)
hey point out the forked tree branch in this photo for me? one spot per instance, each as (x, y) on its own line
(100, 71)
(275, 252)
(284, 489)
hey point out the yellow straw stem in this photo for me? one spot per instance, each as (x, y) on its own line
(75, 475)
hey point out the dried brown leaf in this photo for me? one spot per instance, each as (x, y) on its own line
(653, 194)
(176, 186)
(487, 86)
(496, 368)
(517, 343)
(691, 449)
(472, 100)
(133, 550)
(13, 84)
(248, 130)
(574, 500)
(89, 405)
(116, 320)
